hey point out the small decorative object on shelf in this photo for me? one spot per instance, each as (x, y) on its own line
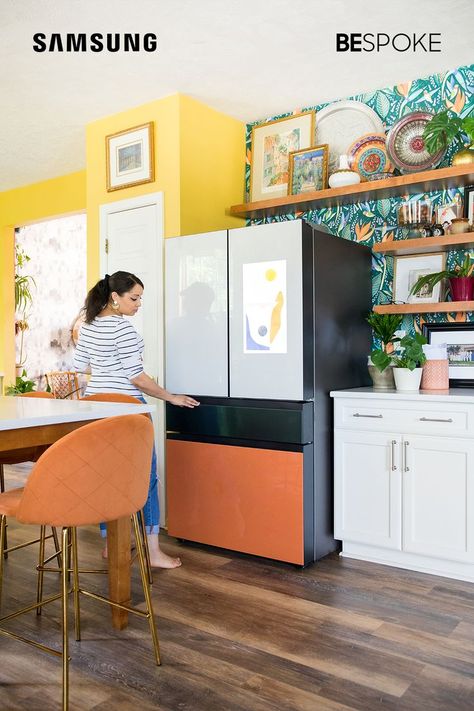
(437, 230)
(368, 156)
(344, 175)
(444, 128)
(469, 204)
(426, 231)
(459, 225)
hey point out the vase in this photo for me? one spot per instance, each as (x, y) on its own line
(382, 379)
(462, 157)
(462, 288)
(344, 175)
(407, 380)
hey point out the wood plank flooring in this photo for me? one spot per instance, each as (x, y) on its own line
(242, 634)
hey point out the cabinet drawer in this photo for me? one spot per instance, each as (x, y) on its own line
(417, 417)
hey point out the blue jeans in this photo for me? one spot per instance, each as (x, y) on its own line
(151, 510)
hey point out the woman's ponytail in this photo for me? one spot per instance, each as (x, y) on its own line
(96, 299)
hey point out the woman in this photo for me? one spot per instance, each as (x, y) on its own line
(113, 349)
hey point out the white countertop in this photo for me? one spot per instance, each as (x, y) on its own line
(465, 395)
(19, 412)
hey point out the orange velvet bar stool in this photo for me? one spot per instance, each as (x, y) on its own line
(99, 472)
(122, 397)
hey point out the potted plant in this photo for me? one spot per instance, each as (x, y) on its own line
(22, 385)
(23, 300)
(408, 365)
(384, 327)
(461, 280)
(443, 128)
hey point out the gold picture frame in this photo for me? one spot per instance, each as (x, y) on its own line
(308, 170)
(130, 157)
(272, 142)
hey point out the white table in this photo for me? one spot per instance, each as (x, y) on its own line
(30, 424)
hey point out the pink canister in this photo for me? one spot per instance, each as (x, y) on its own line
(435, 375)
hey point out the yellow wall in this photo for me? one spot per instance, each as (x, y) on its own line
(212, 168)
(18, 207)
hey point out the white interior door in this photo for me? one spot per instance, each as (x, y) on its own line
(131, 239)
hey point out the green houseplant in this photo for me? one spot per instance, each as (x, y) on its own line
(384, 327)
(23, 299)
(408, 364)
(443, 128)
(22, 385)
(461, 280)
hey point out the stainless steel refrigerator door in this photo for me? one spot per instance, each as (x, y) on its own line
(266, 311)
(196, 314)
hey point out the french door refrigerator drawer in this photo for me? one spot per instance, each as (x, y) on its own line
(260, 421)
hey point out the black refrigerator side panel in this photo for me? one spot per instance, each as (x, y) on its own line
(342, 342)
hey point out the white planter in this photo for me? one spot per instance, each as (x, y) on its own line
(407, 380)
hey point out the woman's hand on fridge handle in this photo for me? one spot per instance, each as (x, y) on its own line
(183, 401)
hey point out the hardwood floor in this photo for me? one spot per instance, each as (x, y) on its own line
(238, 633)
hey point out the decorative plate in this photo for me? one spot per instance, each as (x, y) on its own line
(406, 146)
(368, 156)
(341, 123)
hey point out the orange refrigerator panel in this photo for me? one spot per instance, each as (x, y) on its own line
(242, 498)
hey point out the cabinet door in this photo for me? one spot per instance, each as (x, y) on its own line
(438, 497)
(367, 488)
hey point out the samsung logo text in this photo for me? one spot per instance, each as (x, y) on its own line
(96, 42)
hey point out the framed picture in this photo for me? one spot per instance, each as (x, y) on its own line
(445, 214)
(459, 338)
(130, 157)
(272, 143)
(469, 203)
(308, 170)
(406, 272)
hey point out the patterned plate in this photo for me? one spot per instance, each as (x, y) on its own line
(340, 123)
(368, 156)
(406, 146)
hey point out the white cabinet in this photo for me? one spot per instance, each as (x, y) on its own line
(401, 497)
(367, 488)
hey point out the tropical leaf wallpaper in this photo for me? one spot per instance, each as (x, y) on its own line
(376, 220)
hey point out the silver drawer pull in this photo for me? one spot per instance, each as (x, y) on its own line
(357, 414)
(433, 419)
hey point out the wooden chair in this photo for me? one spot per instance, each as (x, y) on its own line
(99, 472)
(64, 384)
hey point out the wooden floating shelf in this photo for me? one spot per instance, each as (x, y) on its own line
(423, 245)
(426, 181)
(442, 307)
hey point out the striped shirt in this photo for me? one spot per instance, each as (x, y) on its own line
(113, 349)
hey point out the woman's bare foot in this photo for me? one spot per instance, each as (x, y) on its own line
(158, 558)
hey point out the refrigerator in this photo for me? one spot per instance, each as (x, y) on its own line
(261, 322)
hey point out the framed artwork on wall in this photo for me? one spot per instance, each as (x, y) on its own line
(459, 338)
(308, 170)
(469, 203)
(130, 157)
(272, 143)
(406, 272)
